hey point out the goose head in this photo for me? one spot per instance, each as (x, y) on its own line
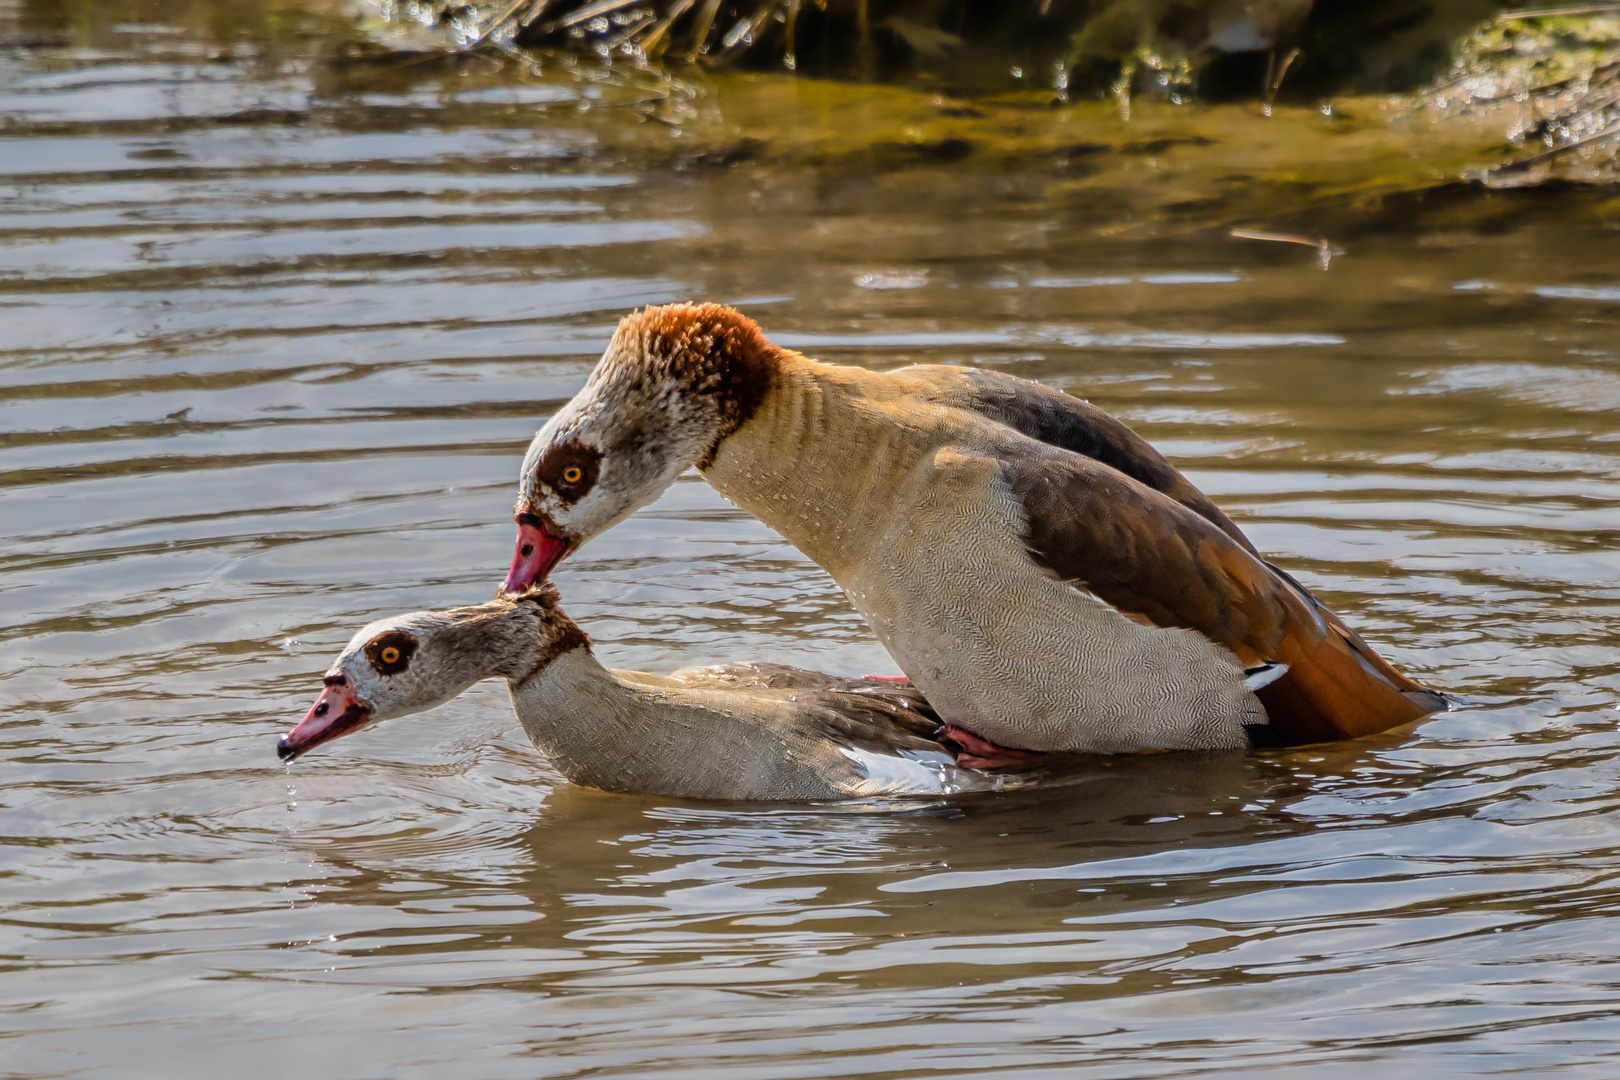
(673, 383)
(410, 663)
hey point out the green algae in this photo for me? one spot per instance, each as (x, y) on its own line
(1550, 84)
(1310, 169)
(1527, 98)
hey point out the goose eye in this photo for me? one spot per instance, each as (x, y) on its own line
(568, 470)
(390, 652)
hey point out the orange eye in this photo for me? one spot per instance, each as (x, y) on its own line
(390, 655)
(572, 475)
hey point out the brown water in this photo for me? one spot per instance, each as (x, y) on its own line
(272, 337)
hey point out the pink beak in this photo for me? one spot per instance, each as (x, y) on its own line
(336, 712)
(537, 552)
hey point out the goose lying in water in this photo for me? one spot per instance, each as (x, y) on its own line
(1042, 574)
(738, 731)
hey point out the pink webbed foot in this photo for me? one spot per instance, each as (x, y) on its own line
(973, 752)
(888, 678)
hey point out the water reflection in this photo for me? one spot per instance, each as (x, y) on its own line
(265, 375)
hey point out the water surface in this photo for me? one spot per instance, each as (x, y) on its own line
(273, 334)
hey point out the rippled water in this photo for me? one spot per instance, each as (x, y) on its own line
(272, 338)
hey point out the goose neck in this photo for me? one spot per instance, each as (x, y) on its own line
(815, 460)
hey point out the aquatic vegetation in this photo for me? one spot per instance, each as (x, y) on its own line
(1174, 49)
(1520, 98)
(1552, 81)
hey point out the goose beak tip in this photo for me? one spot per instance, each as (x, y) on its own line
(336, 712)
(536, 552)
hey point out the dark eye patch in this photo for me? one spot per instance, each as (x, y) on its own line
(390, 651)
(569, 469)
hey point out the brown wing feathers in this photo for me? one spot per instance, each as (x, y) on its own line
(1050, 416)
(1149, 555)
(878, 716)
(877, 719)
(1146, 554)
(1334, 690)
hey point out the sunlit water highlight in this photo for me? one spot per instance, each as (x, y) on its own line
(263, 380)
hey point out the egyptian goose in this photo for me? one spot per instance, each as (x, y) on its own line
(736, 731)
(1044, 576)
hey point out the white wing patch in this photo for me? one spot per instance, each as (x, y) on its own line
(1264, 675)
(917, 772)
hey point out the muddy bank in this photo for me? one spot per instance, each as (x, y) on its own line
(1525, 104)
